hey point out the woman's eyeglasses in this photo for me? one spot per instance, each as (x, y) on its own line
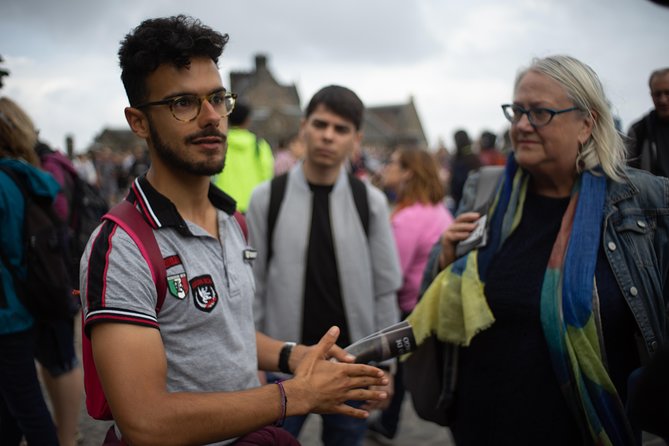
(537, 116)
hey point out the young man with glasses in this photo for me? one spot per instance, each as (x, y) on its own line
(648, 146)
(188, 374)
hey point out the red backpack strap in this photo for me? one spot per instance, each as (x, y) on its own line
(128, 217)
(241, 220)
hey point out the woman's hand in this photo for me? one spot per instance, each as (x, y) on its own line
(459, 230)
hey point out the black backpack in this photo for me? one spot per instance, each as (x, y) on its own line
(278, 190)
(87, 207)
(46, 290)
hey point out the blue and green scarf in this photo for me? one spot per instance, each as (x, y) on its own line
(455, 308)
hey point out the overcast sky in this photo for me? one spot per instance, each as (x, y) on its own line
(458, 59)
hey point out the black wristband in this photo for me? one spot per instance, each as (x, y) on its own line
(284, 356)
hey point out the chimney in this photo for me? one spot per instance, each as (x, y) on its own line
(261, 62)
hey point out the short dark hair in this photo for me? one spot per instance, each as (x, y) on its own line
(462, 140)
(174, 40)
(488, 140)
(339, 100)
(657, 73)
(239, 114)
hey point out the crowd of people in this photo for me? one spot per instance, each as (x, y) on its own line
(275, 263)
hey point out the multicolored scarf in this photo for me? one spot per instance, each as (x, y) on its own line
(455, 308)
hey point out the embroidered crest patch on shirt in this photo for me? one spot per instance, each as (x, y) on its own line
(177, 284)
(204, 293)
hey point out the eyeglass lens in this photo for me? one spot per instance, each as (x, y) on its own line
(536, 116)
(187, 107)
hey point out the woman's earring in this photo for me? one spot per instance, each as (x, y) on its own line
(580, 162)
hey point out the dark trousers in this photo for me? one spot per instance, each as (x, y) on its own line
(23, 411)
(390, 417)
(337, 430)
(389, 420)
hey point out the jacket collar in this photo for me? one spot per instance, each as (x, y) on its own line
(619, 191)
(298, 173)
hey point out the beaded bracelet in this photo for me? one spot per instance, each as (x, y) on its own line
(284, 405)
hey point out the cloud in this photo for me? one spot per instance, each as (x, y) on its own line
(457, 59)
(78, 97)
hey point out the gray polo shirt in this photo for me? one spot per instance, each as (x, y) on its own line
(206, 321)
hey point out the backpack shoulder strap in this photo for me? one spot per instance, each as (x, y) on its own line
(277, 190)
(241, 221)
(361, 201)
(12, 175)
(127, 217)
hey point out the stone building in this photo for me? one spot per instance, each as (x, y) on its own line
(277, 111)
(390, 126)
(117, 139)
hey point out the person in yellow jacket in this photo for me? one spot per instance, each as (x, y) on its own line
(248, 160)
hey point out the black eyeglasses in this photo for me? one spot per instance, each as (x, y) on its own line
(186, 108)
(538, 116)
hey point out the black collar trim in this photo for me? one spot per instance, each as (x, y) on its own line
(160, 212)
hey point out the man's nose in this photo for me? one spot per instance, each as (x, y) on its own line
(208, 115)
(328, 132)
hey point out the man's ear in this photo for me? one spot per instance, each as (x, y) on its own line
(138, 122)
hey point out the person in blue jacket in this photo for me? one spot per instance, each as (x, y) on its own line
(23, 411)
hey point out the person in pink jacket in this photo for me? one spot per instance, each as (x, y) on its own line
(419, 217)
(418, 220)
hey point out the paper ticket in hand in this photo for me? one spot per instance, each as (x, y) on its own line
(477, 239)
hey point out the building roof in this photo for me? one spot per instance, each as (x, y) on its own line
(275, 108)
(391, 125)
(117, 139)
(276, 114)
(261, 89)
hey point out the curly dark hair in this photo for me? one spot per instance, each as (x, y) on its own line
(174, 40)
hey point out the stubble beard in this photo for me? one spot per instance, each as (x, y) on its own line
(172, 158)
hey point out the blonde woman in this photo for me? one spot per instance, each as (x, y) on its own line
(569, 295)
